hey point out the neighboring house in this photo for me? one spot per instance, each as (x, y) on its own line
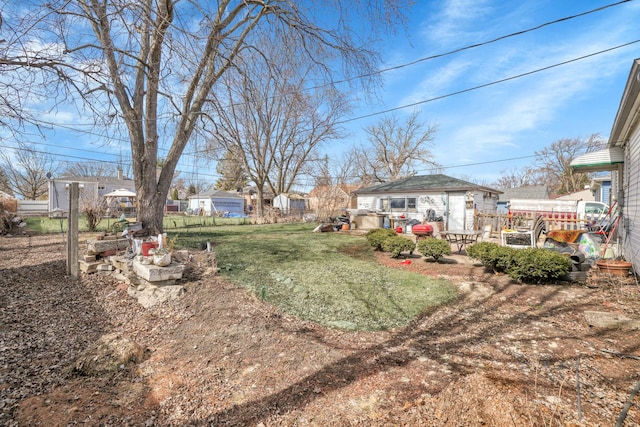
(91, 190)
(425, 196)
(250, 195)
(622, 158)
(528, 192)
(601, 187)
(332, 200)
(215, 202)
(290, 203)
(586, 195)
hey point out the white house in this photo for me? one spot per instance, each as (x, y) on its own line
(91, 189)
(427, 198)
(622, 158)
(216, 202)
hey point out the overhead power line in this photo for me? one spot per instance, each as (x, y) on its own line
(408, 64)
(472, 46)
(495, 82)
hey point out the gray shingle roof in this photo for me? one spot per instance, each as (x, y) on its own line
(529, 192)
(435, 182)
(213, 193)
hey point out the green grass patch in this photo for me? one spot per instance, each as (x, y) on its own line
(328, 278)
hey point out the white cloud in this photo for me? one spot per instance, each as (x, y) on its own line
(452, 22)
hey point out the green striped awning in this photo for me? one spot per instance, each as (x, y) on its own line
(603, 160)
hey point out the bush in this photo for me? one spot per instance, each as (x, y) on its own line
(533, 265)
(480, 250)
(395, 245)
(436, 248)
(493, 256)
(377, 236)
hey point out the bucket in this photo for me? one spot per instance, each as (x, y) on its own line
(148, 245)
(345, 226)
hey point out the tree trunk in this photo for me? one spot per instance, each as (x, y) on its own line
(259, 201)
(151, 211)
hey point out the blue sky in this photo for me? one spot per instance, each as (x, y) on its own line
(479, 129)
(520, 116)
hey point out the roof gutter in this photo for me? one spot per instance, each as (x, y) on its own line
(629, 110)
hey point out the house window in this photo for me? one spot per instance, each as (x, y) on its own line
(398, 204)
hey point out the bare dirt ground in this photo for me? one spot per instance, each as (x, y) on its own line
(504, 354)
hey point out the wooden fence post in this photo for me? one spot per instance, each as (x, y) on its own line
(72, 232)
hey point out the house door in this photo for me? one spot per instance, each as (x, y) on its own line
(457, 211)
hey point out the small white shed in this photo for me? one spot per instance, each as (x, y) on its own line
(215, 202)
(289, 203)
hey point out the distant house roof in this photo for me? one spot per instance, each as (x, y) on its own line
(433, 183)
(107, 180)
(586, 194)
(213, 194)
(528, 192)
(252, 189)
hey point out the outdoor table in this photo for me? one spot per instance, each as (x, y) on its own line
(461, 237)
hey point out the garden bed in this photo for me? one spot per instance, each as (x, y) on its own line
(509, 354)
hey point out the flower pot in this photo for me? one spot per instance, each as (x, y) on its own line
(146, 246)
(612, 266)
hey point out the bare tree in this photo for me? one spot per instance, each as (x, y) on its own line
(147, 68)
(334, 183)
(99, 169)
(553, 163)
(272, 122)
(522, 177)
(394, 149)
(335, 171)
(4, 183)
(94, 209)
(26, 169)
(28, 67)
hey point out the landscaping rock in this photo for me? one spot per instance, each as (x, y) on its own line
(150, 294)
(110, 354)
(606, 320)
(154, 273)
(95, 247)
(89, 267)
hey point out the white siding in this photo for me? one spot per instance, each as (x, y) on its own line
(630, 226)
(459, 215)
(431, 201)
(59, 195)
(366, 202)
(32, 207)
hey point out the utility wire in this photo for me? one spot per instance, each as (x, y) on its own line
(400, 66)
(195, 153)
(495, 82)
(423, 102)
(471, 46)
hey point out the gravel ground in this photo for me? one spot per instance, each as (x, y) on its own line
(503, 354)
